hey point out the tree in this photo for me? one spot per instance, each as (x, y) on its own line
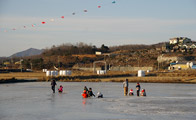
(104, 49)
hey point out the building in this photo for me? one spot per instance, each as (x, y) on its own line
(173, 41)
(179, 40)
(188, 45)
(183, 65)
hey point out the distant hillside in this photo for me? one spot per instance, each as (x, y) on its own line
(28, 52)
(136, 46)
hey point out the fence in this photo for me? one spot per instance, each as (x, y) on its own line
(121, 68)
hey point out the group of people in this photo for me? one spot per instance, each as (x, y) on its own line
(131, 93)
(53, 84)
(86, 93)
(89, 93)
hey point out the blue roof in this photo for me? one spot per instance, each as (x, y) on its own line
(194, 67)
(172, 63)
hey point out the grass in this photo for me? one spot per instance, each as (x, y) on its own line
(188, 76)
(23, 75)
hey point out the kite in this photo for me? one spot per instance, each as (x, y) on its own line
(33, 25)
(52, 20)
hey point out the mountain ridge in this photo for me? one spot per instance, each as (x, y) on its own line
(28, 52)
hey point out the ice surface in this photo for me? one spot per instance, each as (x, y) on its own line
(35, 101)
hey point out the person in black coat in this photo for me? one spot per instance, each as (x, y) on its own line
(90, 93)
(53, 83)
(138, 89)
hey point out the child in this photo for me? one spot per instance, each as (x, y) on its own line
(85, 95)
(90, 93)
(85, 88)
(60, 89)
(99, 95)
(143, 92)
(131, 92)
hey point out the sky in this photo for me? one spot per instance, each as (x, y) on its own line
(112, 24)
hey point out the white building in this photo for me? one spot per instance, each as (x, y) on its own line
(179, 40)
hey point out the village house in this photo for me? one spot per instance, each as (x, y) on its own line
(179, 40)
(181, 43)
(182, 65)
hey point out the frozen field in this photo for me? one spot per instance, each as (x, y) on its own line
(35, 101)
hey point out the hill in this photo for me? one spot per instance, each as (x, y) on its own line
(28, 52)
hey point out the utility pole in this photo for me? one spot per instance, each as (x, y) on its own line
(21, 64)
(31, 65)
(159, 59)
(58, 63)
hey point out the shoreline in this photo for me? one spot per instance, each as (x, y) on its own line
(185, 80)
(153, 77)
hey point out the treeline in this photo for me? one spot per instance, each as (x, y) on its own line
(61, 56)
(129, 47)
(82, 48)
(69, 49)
(136, 47)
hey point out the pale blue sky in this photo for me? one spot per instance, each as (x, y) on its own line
(125, 22)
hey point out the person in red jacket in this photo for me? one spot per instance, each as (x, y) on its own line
(85, 95)
(60, 88)
(131, 92)
(143, 92)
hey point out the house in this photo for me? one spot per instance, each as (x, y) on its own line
(187, 46)
(179, 40)
(184, 40)
(173, 41)
(183, 65)
(193, 46)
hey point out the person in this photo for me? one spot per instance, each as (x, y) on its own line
(85, 88)
(125, 86)
(138, 89)
(60, 88)
(90, 93)
(99, 95)
(131, 92)
(143, 92)
(53, 83)
(85, 95)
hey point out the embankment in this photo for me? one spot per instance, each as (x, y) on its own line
(161, 77)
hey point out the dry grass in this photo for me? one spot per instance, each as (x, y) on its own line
(160, 77)
(87, 73)
(24, 75)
